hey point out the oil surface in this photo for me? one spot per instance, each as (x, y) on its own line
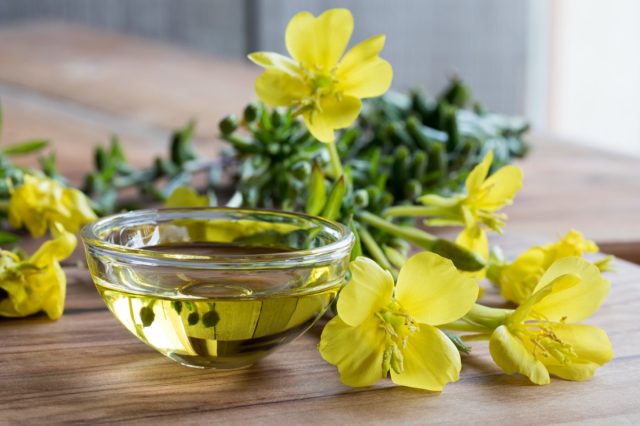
(225, 322)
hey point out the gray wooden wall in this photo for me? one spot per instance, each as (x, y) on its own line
(484, 41)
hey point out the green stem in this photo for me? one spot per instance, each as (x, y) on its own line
(413, 235)
(476, 337)
(336, 164)
(373, 248)
(463, 325)
(412, 211)
(488, 317)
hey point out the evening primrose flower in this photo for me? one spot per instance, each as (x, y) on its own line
(518, 279)
(380, 329)
(479, 207)
(322, 84)
(542, 337)
(37, 283)
(183, 196)
(41, 202)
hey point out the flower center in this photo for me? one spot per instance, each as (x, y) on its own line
(398, 326)
(547, 345)
(320, 84)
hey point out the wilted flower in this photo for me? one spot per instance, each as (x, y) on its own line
(518, 279)
(37, 283)
(543, 337)
(40, 202)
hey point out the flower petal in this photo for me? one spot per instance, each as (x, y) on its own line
(510, 354)
(503, 185)
(478, 174)
(184, 196)
(474, 238)
(576, 371)
(362, 73)
(589, 342)
(576, 302)
(356, 351)
(433, 291)
(333, 114)
(276, 60)
(430, 360)
(369, 290)
(277, 88)
(319, 42)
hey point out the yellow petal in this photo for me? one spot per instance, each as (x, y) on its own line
(356, 351)
(589, 342)
(277, 88)
(572, 303)
(432, 291)
(333, 114)
(276, 60)
(518, 280)
(319, 42)
(54, 250)
(369, 290)
(503, 186)
(430, 360)
(363, 74)
(474, 238)
(183, 196)
(478, 174)
(576, 371)
(512, 356)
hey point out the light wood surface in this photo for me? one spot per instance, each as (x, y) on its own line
(77, 87)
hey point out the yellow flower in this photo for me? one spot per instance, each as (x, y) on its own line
(183, 196)
(518, 279)
(41, 202)
(325, 86)
(479, 207)
(37, 283)
(380, 329)
(542, 336)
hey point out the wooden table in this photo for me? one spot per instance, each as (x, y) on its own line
(77, 86)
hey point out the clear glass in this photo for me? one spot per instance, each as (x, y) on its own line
(228, 285)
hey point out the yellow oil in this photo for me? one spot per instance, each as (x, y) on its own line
(226, 324)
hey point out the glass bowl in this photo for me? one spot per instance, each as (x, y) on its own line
(217, 287)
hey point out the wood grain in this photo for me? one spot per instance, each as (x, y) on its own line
(87, 368)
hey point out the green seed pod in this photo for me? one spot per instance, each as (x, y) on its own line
(361, 198)
(400, 169)
(413, 189)
(399, 136)
(419, 165)
(228, 125)
(250, 113)
(437, 161)
(301, 170)
(276, 118)
(462, 258)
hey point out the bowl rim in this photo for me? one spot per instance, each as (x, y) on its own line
(303, 257)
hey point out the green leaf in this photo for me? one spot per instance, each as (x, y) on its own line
(25, 147)
(332, 208)
(357, 246)
(8, 237)
(456, 340)
(317, 191)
